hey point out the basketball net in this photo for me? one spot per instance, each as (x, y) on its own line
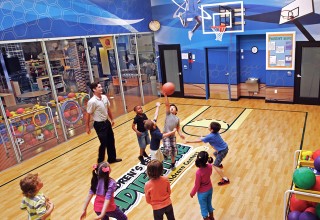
(219, 31)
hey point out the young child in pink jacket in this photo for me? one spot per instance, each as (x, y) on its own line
(203, 185)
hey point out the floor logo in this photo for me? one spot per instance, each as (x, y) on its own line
(130, 187)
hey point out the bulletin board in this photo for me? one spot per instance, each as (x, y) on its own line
(280, 52)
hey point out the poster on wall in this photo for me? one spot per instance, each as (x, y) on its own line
(107, 42)
(280, 53)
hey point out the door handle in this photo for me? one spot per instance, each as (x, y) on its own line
(298, 75)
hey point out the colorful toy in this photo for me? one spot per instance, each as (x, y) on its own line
(311, 209)
(71, 95)
(316, 163)
(168, 88)
(20, 110)
(40, 119)
(66, 114)
(49, 127)
(318, 210)
(316, 186)
(294, 215)
(37, 132)
(71, 112)
(297, 204)
(306, 155)
(28, 137)
(47, 134)
(20, 141)
(307, 216)
(22, 128)
(30, 128)
(83, 101)
(33, 141)
(304, 178)
(8, 113)
(60, 98)
(40, 137)
(315, 154)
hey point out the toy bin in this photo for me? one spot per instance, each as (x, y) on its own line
(303, 162)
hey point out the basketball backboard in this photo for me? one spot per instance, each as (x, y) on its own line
(296, 9)
(230, 14)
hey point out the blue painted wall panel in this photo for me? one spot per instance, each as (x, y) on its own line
(28, 19)
(259, 18)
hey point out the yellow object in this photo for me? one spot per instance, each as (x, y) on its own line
(38, 114)
(37, 132)
(307, 198)
(303, 161)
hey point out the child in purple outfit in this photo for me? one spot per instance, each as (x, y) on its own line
(103, 187)
(203, 185)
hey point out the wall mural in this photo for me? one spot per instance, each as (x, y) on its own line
(196, 26)
(27, 19)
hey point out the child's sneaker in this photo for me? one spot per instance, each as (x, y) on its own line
(173, 166)
(223, 182)
(142, 160)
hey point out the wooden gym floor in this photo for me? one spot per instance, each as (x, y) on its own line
(262, 138)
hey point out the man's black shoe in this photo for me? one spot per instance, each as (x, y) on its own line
(115, 161)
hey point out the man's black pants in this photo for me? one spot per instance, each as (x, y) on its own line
(106, 137)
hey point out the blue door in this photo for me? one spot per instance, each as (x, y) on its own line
(218, 72)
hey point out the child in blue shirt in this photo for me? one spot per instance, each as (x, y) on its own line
(220, 147)
(156, 136)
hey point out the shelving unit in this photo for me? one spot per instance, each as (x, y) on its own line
(36, 68)
(44, 83)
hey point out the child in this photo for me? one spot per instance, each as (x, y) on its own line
(37, 205)
(171, 122)
(220, 147)
(103, 187)
(142, 133)
(203, 185)
(157, 191)
(156, 137)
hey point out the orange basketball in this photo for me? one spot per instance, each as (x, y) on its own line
(168, 88)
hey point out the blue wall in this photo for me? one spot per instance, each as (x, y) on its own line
(28, 19)
(259, 18)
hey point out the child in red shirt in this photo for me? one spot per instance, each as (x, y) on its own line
(203, 185)
(157, 191)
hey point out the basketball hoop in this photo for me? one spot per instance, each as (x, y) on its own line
(287, 15)
(219, 31)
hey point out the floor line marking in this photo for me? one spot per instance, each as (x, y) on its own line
(241, 119)
(193, 115)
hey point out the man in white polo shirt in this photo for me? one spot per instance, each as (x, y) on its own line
(99, 108)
